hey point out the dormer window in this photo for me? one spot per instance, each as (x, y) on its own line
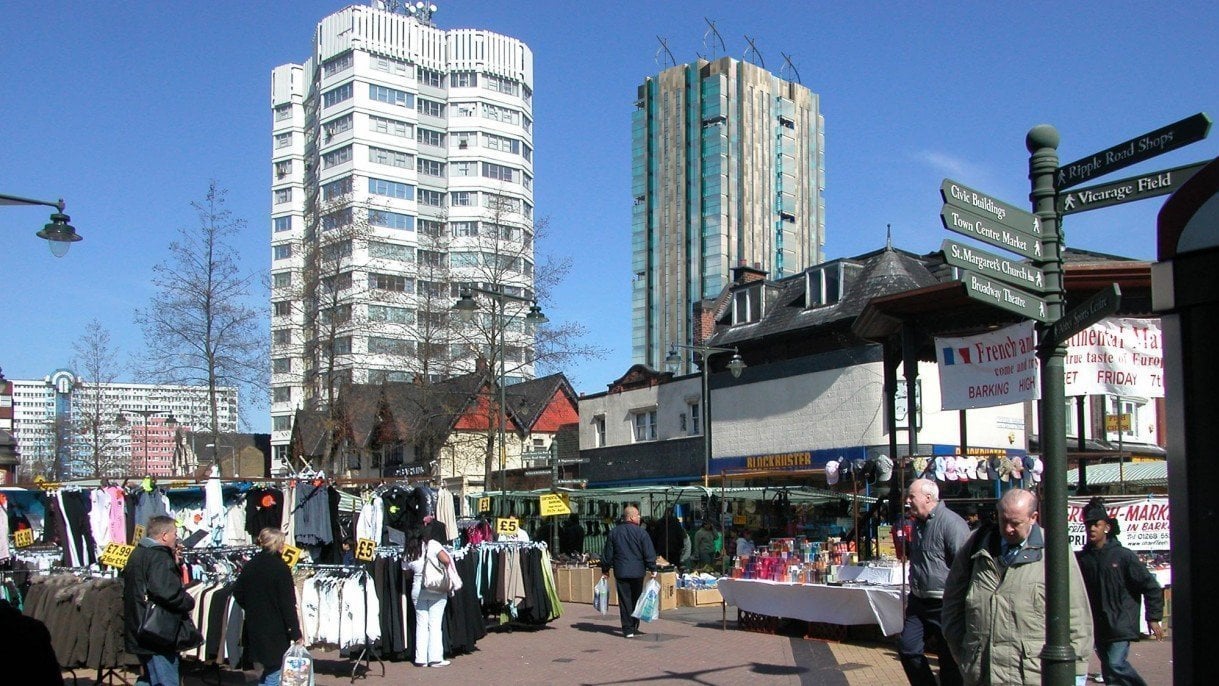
(826, 284)
(747, 304)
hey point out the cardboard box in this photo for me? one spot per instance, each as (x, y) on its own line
(668, 590)
(707, 596)
(562, 583)
(685, 597)
(582, 580)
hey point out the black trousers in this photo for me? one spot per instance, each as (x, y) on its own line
(923, 622)
(629, 591)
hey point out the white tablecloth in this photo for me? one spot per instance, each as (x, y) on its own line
(846, 605)
(872, 575)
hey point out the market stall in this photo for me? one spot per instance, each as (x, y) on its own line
(846, 605)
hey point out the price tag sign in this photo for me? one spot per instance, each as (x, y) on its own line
(179, 484)
(484, 504)
(739, 520)
(506, 525)
(291, 554)
(137, 534)
(23, 538)
(365, 549)
(553, 504)
(116, 554)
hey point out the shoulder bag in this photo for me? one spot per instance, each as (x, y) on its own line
(166, 631)
(435, 576)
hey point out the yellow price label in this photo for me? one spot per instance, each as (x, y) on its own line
(506, 525)
(137, 534)
(291, 554)
(365, 549)
(23, 538)
(178, 484)
(116, 554)
(739, 520)
(552, 504)
(484, 504)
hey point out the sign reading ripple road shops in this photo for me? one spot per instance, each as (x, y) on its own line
(1162, 140)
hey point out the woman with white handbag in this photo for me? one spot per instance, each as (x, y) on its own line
(430, 592)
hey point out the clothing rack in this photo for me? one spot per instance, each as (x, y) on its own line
(368, 651)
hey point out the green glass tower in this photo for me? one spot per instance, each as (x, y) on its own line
(728, 169)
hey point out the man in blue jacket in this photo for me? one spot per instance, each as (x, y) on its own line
(1116, 579)
(629, 550)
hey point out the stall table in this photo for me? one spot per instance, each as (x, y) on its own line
(840, 605)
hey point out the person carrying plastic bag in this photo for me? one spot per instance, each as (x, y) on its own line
(629, 550)
(648, 606)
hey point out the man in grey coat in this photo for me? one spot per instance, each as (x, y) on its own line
(937, 536)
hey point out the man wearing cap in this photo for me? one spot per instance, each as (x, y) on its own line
(937, 536)
(1116, 579)
(994, 600)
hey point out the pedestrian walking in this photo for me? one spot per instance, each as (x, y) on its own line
(935, 540)
(1116, 581)
(629, 552)
(994, 614)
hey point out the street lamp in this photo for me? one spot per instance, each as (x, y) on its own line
(59, 234)
(122, 422)
(736, 365)
(465, 307)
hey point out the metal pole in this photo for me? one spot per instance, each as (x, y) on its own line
(503, 418)
(706, 422)
(1057, 656)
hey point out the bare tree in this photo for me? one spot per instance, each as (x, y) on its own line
(97, 364)
(198, 328)
(495, 258)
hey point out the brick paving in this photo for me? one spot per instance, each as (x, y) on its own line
(685, 646)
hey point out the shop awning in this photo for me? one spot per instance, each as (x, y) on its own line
(1131, 473)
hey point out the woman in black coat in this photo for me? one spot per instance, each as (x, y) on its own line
(264, 590)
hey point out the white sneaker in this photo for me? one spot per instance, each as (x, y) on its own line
(442, 663)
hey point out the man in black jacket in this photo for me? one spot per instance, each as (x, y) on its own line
(1116, 579)
(629, 550)
(152, 575)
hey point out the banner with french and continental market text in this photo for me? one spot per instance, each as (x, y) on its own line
(995, 368)
(1117, 356)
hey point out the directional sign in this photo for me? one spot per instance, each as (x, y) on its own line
(966, 198)
(1007, 297)
(1086, 314)
(984, 229)
(1178, 135)
(992, 265)
(1148, 185)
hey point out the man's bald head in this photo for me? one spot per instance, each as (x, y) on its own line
(631, 514)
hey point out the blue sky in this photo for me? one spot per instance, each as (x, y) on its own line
(128, 109)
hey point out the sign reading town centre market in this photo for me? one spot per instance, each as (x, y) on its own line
(1162, 140)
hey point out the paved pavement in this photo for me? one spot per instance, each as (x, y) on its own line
(685, 646)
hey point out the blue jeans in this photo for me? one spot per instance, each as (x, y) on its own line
(1114, 667)
(269, 677)
(159, 670)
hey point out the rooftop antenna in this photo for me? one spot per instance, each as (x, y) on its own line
(789, 69)
(754, 50)
(713, 34)
(664, 47)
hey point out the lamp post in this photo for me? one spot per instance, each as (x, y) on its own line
(735, 366)
(465, 307)
(122, 422)
(59, 234)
